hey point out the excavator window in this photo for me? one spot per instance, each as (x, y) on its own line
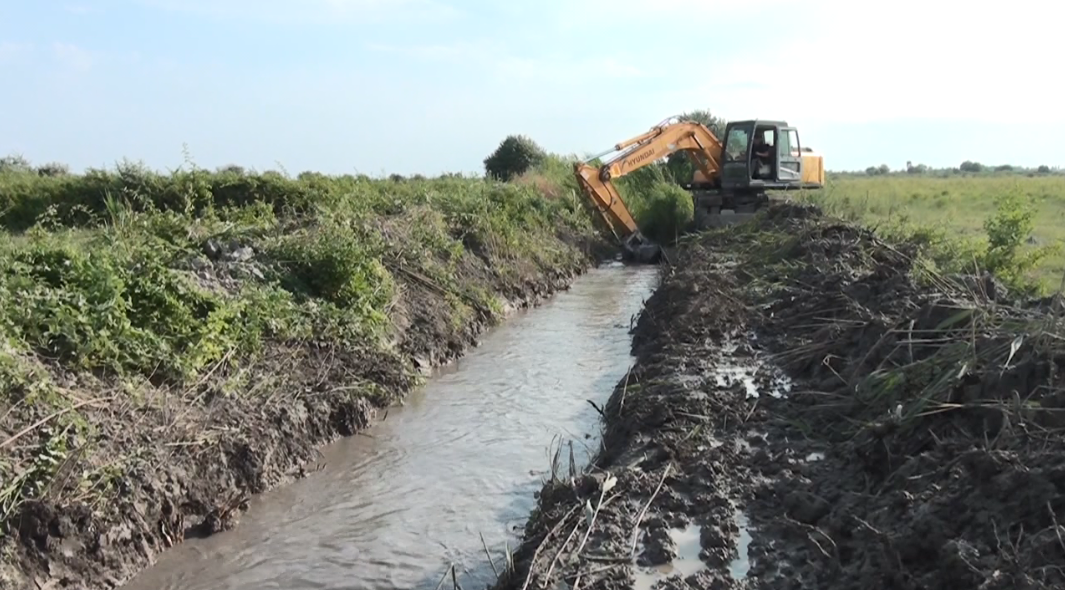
(763, 153)
(736, 145)
(790, 143)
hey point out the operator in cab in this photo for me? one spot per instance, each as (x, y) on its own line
(761, 157)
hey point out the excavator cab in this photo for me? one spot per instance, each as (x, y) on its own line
(764, 156)
(757, 157)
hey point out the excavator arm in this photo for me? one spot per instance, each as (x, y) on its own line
(698, 142)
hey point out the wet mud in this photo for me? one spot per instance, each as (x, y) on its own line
(813, 408)
(184, 464)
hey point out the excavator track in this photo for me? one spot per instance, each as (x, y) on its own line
(716, 209)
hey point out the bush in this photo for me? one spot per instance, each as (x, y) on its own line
(97, 307)
(340, 265)
(515, 156)
(665, 213)
(53, 169)
(1008, 231)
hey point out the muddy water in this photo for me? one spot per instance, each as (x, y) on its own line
(463, 458)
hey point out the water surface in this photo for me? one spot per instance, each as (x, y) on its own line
(463, 458)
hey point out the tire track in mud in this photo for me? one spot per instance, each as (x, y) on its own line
(804, 413)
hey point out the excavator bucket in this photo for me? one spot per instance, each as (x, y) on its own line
(637, 248)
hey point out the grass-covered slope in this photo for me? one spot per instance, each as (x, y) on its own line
(170, 344)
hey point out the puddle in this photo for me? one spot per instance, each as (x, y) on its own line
(742, 564)
(689, 379)
(686, 562)
(815, 456)
(728, 374)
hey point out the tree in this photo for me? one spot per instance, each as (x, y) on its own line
(970, 166)
(515, 156)
(679, 165)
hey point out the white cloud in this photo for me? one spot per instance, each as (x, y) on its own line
(78, 8)
(73, 57)
(496, 63)
(691, 17)
(859, 62)
(311, 11)
(11, 52)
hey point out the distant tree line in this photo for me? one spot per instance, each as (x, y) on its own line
(967, 167)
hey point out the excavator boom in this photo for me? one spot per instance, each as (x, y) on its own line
(661, 141)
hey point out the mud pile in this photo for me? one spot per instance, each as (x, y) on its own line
(819, 410)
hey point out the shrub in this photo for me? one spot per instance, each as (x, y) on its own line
(95, 307)
(53, 169)
(1008, 230)
(340, 265)
(515, 156)
(665, 213)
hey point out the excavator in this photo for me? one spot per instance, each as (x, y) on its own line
(757, 156)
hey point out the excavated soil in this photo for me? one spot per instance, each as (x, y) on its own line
(180, 464)
(811, 408)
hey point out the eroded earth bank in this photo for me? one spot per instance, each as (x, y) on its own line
(812, 409)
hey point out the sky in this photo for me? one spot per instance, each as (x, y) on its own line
(430, 86)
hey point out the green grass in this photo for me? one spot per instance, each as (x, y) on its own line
(957, 207)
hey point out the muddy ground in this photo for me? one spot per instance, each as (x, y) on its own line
(812, 408)
(171, 465)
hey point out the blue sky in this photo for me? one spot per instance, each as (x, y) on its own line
(382, 86)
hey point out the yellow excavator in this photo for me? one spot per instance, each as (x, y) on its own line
(757, 157)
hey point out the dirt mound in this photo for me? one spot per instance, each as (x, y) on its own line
(919, 444)
(942, 399)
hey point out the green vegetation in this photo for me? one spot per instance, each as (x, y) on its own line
(515, 156)
(1010, 224)
(119, 283)
(1004, 219)
(106, 268)
(661, 208)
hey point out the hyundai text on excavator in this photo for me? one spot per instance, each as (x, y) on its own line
(757, 157)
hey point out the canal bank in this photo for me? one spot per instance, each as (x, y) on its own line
(108, 470)
(811, 407)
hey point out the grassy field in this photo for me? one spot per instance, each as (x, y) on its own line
(958, 206)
